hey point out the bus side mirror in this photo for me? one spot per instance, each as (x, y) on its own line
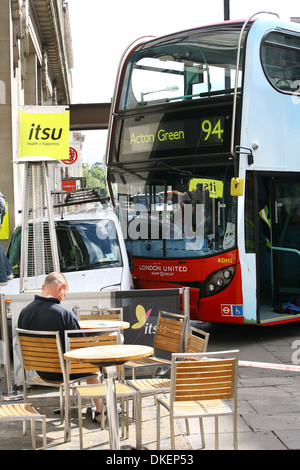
(237, 187)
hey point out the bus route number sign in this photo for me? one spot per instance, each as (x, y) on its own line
(212, 131)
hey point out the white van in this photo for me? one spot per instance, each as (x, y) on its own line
(91, 250)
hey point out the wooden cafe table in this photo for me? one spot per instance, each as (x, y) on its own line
(109, 357)
(91, 324)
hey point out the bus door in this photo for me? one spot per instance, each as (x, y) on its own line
(285, 240)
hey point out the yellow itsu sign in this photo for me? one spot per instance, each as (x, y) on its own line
(215, 187)
(44, 134)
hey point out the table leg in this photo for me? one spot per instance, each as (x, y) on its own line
(111, 402)
(138, 421)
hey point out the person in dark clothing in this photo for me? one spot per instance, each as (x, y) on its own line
(2, 208)
(6, 273)
(45, 313)
(5, 268)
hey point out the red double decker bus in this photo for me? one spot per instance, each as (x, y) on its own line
(203, 167)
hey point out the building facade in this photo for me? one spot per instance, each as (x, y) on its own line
(35, 70)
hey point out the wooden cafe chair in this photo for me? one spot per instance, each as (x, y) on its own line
(110, 313)
(42, 351)
(201, 386)
(197, 341)
(24, 412)
(169, 337)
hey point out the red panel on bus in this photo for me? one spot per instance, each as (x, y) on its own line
(226, 306)
(176, 271)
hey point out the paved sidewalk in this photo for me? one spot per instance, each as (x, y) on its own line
(268, 401)
(46, 401)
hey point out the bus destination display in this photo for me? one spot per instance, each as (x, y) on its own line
(168, 134)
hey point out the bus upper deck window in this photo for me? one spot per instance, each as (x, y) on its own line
(280, 56)
(193, 65)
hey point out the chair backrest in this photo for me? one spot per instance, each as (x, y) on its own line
(41, 351)
(197, 340)
(169, 333)
(75, 339)
(205, 376)
(102, 314)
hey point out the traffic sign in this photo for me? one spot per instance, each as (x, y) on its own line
(231, 310)
(73, 157)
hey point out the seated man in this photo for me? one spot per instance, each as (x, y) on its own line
(45, 313)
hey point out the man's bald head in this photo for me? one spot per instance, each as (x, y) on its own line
(55, 285)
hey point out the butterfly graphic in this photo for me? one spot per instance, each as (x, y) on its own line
(142, 316)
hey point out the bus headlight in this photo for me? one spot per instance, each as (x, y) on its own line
(227, 273)
(217, 281)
